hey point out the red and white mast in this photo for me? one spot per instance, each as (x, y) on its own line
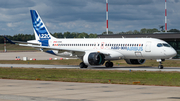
(4, 45)
(107, 16)
(165, 17)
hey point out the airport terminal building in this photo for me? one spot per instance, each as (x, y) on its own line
(172, 38)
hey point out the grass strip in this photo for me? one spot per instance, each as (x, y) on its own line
(93, 76)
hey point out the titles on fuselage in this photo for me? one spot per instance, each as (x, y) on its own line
(130, 48)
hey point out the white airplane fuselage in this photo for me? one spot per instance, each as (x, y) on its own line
(124, 48)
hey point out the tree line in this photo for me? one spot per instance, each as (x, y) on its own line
(26, 37)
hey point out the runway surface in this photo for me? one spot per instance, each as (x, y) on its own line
(24, 90)
(37, 55)
(93, 67)
(46, 56)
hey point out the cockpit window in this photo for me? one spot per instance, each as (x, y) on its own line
(159, 45)
(166, 45)
(163, 44)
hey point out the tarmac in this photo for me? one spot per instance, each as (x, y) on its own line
(29, 90)
(37, 55)
(26, 90)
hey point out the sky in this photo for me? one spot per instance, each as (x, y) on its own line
(88, 15)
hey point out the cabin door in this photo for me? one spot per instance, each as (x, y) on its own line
(148, 46)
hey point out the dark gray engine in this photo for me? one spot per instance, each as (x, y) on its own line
(94, 58)
(135, 61)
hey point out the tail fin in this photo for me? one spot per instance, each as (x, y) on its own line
(41, 33)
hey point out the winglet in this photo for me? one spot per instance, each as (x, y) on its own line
(9, 40)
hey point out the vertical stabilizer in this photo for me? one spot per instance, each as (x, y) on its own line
(41, 33)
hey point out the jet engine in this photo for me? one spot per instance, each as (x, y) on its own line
(94, 58)
(135, 61)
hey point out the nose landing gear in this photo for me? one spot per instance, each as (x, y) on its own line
(160, 63)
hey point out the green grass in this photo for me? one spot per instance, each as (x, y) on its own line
(93, 76)
(148, 63)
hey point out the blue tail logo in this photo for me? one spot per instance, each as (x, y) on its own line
(42, 34)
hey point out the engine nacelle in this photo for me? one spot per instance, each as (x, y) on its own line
(135, 61)
(94, 58)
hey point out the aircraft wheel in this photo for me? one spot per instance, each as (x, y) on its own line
(160, 67)
(111, 64)
(107, 64)
(82, 65)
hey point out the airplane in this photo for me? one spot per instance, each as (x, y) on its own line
(97, 51)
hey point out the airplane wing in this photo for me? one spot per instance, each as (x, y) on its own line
(17, 42)
(50, 48)
(105, 52)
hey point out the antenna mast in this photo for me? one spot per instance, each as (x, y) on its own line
(165, 17)
(107, 16)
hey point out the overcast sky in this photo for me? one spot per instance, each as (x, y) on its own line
(87, 15)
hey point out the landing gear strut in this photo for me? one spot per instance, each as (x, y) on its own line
(160, 63)
(82, 65)
(109, 64)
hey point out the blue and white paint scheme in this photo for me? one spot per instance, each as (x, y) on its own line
(95, 51)
(40, 30)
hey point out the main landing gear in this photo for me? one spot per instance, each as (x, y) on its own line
(160, 63)
(109, 64)
(82, 65)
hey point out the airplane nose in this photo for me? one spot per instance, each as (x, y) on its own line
(174, 53)
(171, 53)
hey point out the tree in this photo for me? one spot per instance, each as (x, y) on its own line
(58, 35)
(143, 30)
(173, 30)
(136, 32)
(67, 35)
(129, 32)
(82, 35)
(92, 35)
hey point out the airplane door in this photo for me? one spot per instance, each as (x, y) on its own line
(102, 45)
(148, 46)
